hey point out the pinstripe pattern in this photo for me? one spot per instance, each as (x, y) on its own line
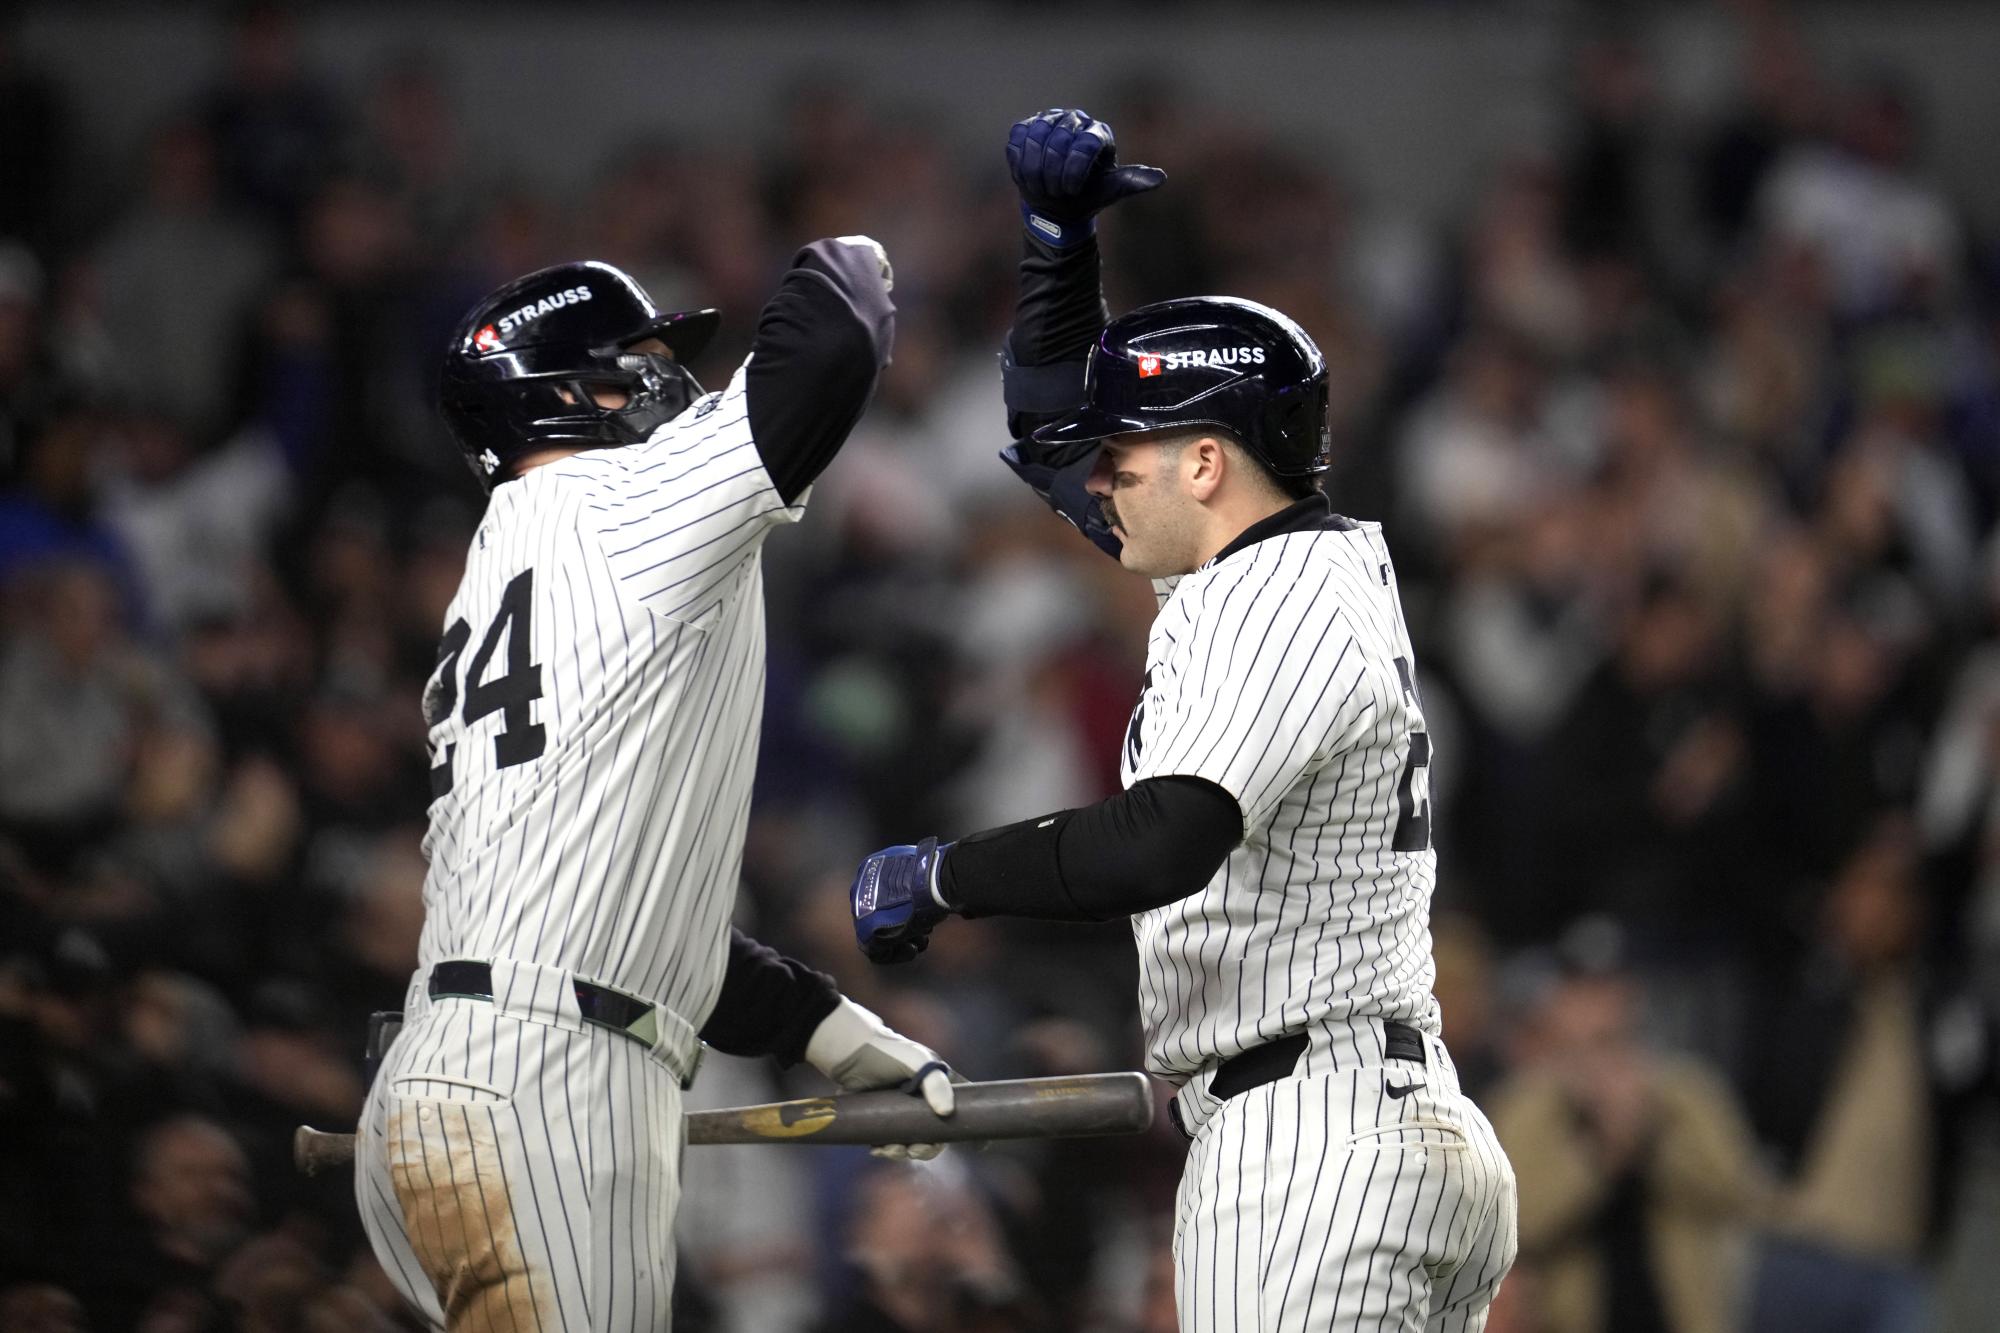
(518, 1168)
(1283, 673)
(517, 1175)
(615, 854)
(1319, 1204)
(1272, 673)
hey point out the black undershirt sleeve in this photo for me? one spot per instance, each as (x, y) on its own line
(820, 343)
(1058, 312)
(1157, 842)
(769, 1003)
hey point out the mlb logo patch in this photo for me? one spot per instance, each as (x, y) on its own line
(487, 339)
(1149, 366)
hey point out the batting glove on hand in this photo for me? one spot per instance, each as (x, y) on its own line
(860, 1052)
(1066, 167)
(860, 270)
(896, 900)
(874, 247)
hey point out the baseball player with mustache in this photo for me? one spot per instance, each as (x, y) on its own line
(1272, 844)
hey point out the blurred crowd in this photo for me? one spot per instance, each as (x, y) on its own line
(1687, 438)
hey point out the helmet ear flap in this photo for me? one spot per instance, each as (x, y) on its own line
(1296, 415)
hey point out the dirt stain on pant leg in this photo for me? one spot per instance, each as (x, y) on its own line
(445, 1163)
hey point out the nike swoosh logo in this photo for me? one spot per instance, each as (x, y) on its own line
(1404, 1091)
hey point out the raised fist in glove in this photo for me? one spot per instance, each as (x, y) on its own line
(860, 270)
(860, 1052)
(896, 900)
(1066, 167)
(873, 247)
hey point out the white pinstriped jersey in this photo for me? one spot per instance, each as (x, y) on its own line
(1283, 673)
(595, 711)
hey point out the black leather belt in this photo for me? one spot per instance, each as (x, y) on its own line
(627, 1015)
(1275, 1059)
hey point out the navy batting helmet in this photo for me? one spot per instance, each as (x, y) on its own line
(1207, 361)
(565, 328)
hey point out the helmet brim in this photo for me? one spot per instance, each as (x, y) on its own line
(685, 332)
(1092, 423)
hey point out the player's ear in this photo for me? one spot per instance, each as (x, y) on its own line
(1204, 464)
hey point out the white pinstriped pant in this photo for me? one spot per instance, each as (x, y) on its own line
(517, 1175)
(1319, 1204)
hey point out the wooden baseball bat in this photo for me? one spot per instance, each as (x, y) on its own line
(1083, 1106)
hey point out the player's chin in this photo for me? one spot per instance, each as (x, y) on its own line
(1139, 560)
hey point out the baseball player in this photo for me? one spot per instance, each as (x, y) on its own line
(593, 730)
(1272, 842)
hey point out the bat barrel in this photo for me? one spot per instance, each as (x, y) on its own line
(1033, 1108)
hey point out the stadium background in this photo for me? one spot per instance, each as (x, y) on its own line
(1665, 339)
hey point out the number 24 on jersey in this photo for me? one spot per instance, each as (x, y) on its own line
(509, 694)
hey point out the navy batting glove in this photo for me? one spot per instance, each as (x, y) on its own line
(896, 900)
(1066, 167)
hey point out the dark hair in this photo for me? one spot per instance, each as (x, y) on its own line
(1292, 488)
